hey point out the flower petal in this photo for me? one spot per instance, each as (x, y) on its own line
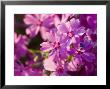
(46, 46)
(56, 20)
(80, 31)
(62, 28)
(51, 36)
(49, 64)
(89, 57)
(75, 23)
(44, 33)
(29, 19)
(32, 31)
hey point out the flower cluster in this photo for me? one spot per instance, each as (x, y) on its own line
(56, 45)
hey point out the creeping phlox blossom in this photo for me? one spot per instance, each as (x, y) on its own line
(68, 47)
(38, 22)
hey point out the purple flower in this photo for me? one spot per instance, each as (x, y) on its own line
(21, 70)
(61, 18)
(89, 20)
(38, 22)
(83, 51)
(55, 45)
(20, 42)
(27, 66)
(56, 68)
(71, 30)
(74, 64)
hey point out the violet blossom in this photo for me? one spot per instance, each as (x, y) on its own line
(36, 23)
(20, 42)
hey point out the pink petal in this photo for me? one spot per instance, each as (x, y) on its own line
(62, 28)
(81, 31)
(17, 38)
(73, 40)
(29, 19)
(56, 20)
(32, 31)
(46, 46)
(49, 64)
(75, 23)
(44, 33)
(51, 36)
(72, 66)
(65, 17)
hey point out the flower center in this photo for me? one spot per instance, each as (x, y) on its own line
(56, 44)
(70, 34)
(39, 23)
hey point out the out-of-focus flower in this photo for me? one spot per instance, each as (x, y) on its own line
(20, 42)
(89, 20)
(38, 22)
(21, 70)
(58, 19)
